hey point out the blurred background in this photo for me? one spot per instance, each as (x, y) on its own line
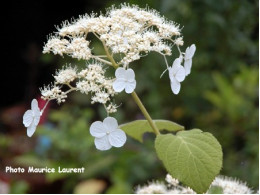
(220, 96)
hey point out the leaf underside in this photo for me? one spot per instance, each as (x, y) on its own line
(137, 128)
(193, 157)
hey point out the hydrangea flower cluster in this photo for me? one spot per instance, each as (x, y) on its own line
(90, 80)
(127, 32)
(227, 185)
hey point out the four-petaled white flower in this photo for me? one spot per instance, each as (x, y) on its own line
(188, 58)
(107, 134)
(177, 75)
(125, 79)
(31, 118)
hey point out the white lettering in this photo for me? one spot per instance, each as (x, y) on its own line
(71, 170)
(10, 169)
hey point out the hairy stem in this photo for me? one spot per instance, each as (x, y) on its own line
(145, 113)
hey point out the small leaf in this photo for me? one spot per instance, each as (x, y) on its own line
(137, 128)
(193, 157)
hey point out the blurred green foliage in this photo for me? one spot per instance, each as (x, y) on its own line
(220, 95)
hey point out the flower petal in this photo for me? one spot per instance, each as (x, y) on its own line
(175, 86)
(130, 75)
(130, 86)
(187, 66)
(117, 138)
(102, 143)
(190, 52)
(119, 85)
(31, 129)
(110, 124)
(37, 117)
(193, 49)
(120, 73)
(97, 129)
(35, 107)
(28, 118)
(180, 75)
(176, 64)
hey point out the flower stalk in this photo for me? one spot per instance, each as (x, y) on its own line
(145, 113)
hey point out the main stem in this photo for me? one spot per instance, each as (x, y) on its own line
(145, 113)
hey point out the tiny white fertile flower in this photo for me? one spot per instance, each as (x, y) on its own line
(152, 188)
(188, 58)
(66, 75)
(231, 185)
(125, 79)
(172, 181)
(177, 75)
(31, 118)
(107, 134)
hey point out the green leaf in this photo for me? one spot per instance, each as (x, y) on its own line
(193, 157)
(137, 128)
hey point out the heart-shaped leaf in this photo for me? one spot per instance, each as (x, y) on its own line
(137, 128)
(193, 157)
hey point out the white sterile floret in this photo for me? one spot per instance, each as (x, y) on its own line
(125, 80)
(31, 118)
(188, 58)
(107, 134)
(177, 75)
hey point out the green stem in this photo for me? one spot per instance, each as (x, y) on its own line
(145, 113)
(114, 64)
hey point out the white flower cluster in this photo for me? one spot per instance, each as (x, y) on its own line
(128, 31)
(52, 92)
(90, 80)
(231, 185)
(152, 188)
(93, 80)
(66, 75)
(77, 47)
(226, 184)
